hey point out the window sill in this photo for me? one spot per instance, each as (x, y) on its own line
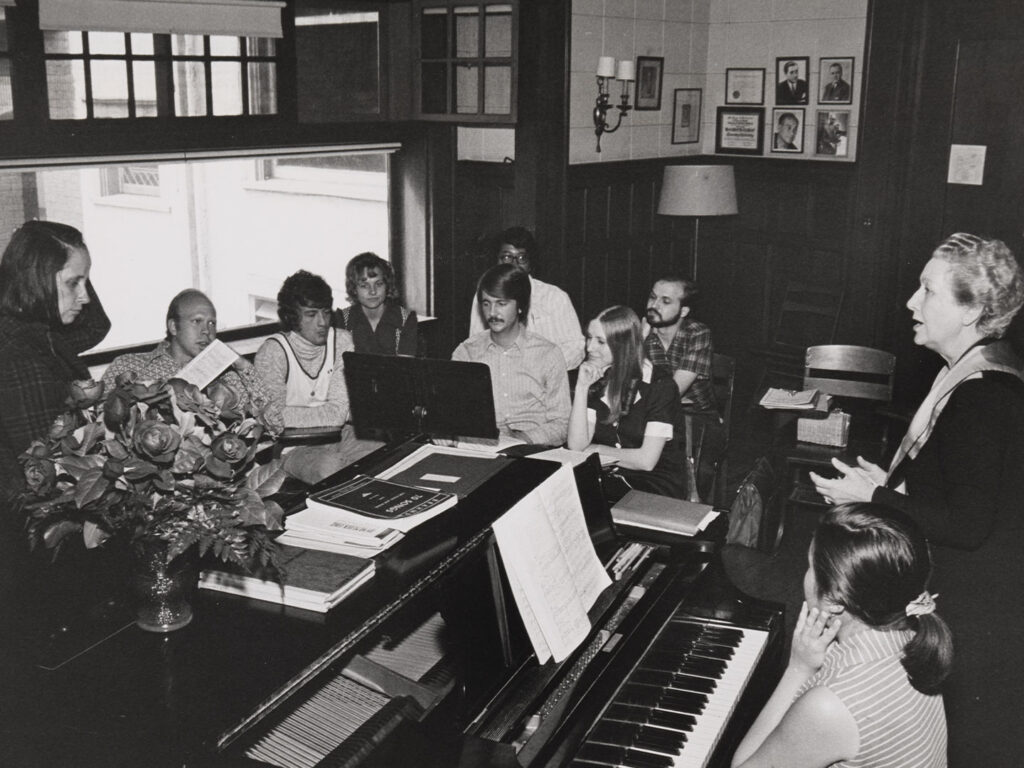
(347, 191)
(135, 202)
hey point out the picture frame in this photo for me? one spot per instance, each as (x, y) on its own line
(686, 105)
(649, 73)
(739, 130)
(744, 86)
(833, 89)
(786, 137)
(832, 133)
(790, 90)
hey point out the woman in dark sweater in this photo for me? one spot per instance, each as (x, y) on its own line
(959, 473)
(378, 322)
(48, 315)
(623, 410)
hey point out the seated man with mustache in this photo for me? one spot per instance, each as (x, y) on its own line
(528, 378)
(191, 327)
(305, 375)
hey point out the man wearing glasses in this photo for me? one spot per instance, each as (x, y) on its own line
(552, 315)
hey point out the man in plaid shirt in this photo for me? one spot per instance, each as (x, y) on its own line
(680, 347)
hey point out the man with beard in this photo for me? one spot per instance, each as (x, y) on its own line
(191, 327)
(552, 315)
(528, 378)
(680, 347)
(305, 375)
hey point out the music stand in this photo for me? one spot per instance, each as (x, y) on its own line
(416, 395)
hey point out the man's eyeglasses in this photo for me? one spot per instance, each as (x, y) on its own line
(520, 257)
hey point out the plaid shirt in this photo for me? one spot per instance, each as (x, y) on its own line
(690, 350)
(37, 366)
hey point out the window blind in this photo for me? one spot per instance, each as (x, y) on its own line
(243, 18)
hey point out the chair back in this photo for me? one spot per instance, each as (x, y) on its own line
(846, 370)
(723, 379)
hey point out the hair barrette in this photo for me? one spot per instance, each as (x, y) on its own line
(922, 605)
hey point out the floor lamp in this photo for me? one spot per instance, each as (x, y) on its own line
(697, 190)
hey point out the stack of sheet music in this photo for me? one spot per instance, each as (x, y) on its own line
(788, 399)
(362, 517)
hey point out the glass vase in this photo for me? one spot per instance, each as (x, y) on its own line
(162, 590)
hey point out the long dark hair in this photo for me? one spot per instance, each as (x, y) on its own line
(622, 332)
(873, 561)
(303, 289)
(38, 250)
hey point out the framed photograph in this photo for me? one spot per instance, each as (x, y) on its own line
(788, 130)
(740, 130)
(744, 86)
(833, 132)
(791, 80)
(835, 78)
(649, 70)
(686, 116)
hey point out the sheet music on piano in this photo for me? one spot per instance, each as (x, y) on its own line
(553, 570)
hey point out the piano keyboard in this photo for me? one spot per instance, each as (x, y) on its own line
(672, 709)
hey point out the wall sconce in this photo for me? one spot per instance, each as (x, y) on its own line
(606, 70)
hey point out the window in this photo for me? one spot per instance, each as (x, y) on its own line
(6, 99)
(136, 75)
(219, 228)
(467, 60)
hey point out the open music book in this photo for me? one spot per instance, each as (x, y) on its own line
(551, 564)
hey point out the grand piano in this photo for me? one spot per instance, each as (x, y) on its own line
(427, 665)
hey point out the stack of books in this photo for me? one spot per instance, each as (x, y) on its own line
(363, 517)
(309, 578)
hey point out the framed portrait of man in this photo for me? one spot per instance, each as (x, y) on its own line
(791, 80)
(836, 80)
(833, 133)
(788, 130)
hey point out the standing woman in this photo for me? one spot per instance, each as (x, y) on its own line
(959, 474)
(622, 410)
(49, 313)
(378, 322)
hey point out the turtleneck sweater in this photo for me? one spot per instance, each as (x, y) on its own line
(272, 365)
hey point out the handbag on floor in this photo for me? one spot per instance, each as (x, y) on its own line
(749, 524)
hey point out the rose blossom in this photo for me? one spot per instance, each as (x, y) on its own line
(156, 440)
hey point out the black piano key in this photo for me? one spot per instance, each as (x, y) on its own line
(703, 666)
(651, 695)
(634, 758)
(685, 682)
(714, 651)
(577, 763)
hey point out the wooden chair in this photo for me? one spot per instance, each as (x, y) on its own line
(808, 315)
(860, 379)
(714, 463)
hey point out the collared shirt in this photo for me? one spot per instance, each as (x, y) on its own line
(899, 726)
(690, 350)
(552, 317)
(396, 332)
(272, 364)
(160, 364)
(530, 386)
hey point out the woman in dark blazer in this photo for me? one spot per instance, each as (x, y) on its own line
(959, 473)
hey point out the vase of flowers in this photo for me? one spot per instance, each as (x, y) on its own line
(162, 466)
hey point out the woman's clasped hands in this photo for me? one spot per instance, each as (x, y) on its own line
(854, 484)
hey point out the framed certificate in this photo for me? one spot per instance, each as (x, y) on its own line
(740, 130)
(744, 86)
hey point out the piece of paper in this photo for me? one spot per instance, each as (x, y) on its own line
(208, 364)
(966, 164)
(548, 554)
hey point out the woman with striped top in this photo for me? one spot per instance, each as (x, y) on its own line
(868, 655)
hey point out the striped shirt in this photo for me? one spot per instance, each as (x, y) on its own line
(899, 727)
(530, 386)
(552, 317)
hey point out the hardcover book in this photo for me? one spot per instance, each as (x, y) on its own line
(662, 513)
(311, 579)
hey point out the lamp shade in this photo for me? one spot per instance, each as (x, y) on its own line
(698, 190)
